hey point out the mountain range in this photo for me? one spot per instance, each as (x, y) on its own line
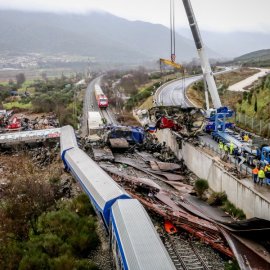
(100, 35)
(108, 38)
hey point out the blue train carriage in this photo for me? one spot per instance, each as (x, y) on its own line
(67, 139)
(102, 190)
(134, 241)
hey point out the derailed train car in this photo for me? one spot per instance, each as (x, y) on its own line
(134, 240)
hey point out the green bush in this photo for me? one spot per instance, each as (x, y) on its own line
(201, 186)
(57, 240)
(82, 205)
(217, 198)
(78, 232)
(63, 262)
(233, 210)
(35, 261)
(232, 265)
(85, 265)
(48, 243)
(10, 253)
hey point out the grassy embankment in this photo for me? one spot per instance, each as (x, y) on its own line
(260, 95)
(228, 98)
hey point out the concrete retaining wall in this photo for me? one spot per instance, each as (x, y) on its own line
(204, 166)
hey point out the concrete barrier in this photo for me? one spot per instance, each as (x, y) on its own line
(204, 166)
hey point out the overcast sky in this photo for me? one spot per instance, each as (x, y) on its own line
(216, 15)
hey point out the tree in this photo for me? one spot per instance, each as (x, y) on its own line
(20, 78)
(255, 105)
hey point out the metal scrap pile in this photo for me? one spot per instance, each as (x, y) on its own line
(159, 150)
(135, 172)
(14, 122)
(43, 156)
(186, 121)
(42, 122)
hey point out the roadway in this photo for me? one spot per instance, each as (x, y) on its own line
(242, 85)
(89, 104)
(174, 93)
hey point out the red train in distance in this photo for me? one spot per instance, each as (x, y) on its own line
(102, 100)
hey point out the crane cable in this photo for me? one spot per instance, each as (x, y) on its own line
(172, 30)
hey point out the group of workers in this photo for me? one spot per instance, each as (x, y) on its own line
(261, 175)
(231, 148)
(227, 149)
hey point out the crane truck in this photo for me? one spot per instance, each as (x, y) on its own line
(216, 116)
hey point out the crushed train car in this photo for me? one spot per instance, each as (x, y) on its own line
(186, 121)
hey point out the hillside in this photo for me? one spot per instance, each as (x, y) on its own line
(232, 44)
(259, 58)
(259, 95)
(102, 36)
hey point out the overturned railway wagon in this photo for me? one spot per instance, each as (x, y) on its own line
(134, 240)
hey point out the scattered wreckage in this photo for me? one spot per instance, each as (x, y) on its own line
(144, 172)
(186, 121)
(10, 122)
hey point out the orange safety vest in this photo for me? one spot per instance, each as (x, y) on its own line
(255, 171)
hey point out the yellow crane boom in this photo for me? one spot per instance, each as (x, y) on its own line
(170, 63)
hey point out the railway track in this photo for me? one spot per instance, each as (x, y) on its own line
(183, 253)
(106, 114)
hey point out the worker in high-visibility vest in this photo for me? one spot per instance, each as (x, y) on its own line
(226, 148)
(267, 167)
(267, 174)
(231, 148)
(246, 138)
(221, 146)
(255, 172)
(261, 176)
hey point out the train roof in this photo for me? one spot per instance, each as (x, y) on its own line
(138, 241)
(67, 139)
(98, 90)
(99, 186)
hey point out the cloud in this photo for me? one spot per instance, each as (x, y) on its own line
(215, 15)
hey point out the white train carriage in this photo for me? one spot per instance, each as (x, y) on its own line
(97, 184)
(98, 91)
(134, 240)
(67, 139)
